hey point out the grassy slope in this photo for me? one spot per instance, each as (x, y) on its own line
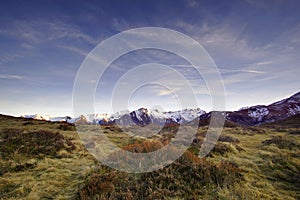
(51, 177)
(270, 170)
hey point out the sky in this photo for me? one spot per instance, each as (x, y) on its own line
(254, 44)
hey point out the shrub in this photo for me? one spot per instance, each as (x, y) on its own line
(295, 132)
(27, 123)
(282, 143)
(221, 149)
(230, 124)
(280, 129)
(186, 178)
(11, 132)
(113, 128)
(66, 127)
(144, 147)
(227, 138)
(32, 144)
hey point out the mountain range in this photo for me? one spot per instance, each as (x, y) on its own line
(247, 116)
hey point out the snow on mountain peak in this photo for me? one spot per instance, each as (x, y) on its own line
(258, 112)
(248, 116)
(48, 118)
(294, 110)
(243, 108)
(37, 116)
(142, 116)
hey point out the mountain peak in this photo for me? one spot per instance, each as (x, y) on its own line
(253, 115)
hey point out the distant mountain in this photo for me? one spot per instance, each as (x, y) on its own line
(48, 118)
(144, 117)
(247, 116)
(261, 114)
(140, 117)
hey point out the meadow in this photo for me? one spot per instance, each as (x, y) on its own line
(47, 160)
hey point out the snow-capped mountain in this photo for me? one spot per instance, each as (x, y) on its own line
(48, 118)
(144, 117)
(140, 117)
(260, 114)
(37, 116)
(249, 116)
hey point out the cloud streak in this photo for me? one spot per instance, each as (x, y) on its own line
(29, 31)
(10, 76)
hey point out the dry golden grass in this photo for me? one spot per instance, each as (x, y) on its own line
(247, 163)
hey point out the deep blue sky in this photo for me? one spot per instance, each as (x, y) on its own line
(255, 44)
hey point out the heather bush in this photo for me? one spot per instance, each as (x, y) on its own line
(295, 132)
(227, 138)
(32, 144)
(186, 178)
(282, 142)
(66, 127)
(27, 123)
(221, 149)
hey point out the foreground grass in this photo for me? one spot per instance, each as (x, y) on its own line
(271, 167)
(43, 160)
(40, 161)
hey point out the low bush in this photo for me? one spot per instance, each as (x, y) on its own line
(256, 130)
(282, 142)
(144, 147)
(66, 127)
(27, 123)
(221, 149)
(295, 132)
(32, 144)
(227, 138)
(186, 178)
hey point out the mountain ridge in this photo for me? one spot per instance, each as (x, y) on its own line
(247, 116)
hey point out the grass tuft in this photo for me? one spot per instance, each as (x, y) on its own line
(282, 142)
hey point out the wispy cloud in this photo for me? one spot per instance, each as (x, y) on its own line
(39, 31)
(224, 71)
(8, 57)
(254, 68)
(264, 63)
(74, 49)
(164, 92)
(227, 41)
(61, 29)
(10, 76)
